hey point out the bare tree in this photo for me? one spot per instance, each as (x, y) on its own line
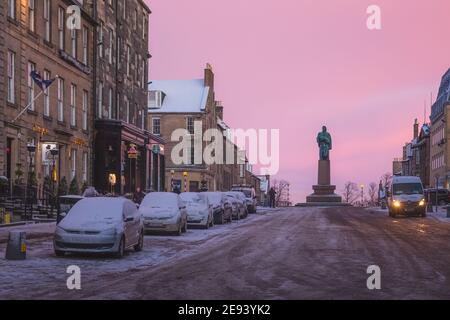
(350, 192)
(281, 188)
(373, 193)
(386, 179)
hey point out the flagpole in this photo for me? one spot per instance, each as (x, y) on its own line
(32, 101)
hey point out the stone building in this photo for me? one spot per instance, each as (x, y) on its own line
(180, 104)
(124, 149)
(36, 36)
(439, 149)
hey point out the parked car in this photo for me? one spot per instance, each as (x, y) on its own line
(222, 209)
(439, 196)
(100, 225)
(250, 196)
(199, 210)
(406, 197)
(239, 206)
(164, 212)
(65, 203)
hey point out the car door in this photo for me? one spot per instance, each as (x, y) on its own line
(131, 223)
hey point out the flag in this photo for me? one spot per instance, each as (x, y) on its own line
(41, 83)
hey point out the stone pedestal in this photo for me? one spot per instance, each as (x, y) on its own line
(324, 193)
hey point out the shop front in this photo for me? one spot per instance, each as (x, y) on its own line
(127, 158)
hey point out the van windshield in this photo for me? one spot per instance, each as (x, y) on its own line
(407, 188)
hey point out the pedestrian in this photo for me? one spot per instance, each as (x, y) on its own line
(176, 189)
(272, 194)
(138, 196)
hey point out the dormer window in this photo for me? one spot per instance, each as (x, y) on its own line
(155, 99)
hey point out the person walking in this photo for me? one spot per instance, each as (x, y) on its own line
(138, 196)
(272, 194)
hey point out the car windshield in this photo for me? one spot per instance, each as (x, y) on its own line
(96, 209)
(160, 200)
(407, 188)
(246, 192)
(192, 198)
(214, 197)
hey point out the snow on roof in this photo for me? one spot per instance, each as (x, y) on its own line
(181, 95)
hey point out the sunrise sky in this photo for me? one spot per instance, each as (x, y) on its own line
(296, 65)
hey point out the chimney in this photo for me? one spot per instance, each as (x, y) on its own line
(416, 129)
(219, 110)
(209, 77)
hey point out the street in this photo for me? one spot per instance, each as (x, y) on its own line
(288, 253)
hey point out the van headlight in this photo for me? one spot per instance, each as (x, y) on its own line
(422, 202)
(397, 204)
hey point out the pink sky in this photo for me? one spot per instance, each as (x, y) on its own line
(295, 65)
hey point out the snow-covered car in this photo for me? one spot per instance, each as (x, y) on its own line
(100, 225)
(164, 212)
(238, 202)
(199, 210)
(222, 209)
(250, 196)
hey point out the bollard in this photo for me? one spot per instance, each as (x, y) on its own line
(17, 247)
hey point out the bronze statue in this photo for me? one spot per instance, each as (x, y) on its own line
(325, 144)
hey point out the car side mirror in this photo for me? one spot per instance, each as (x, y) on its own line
(63, 214)
(129, 219)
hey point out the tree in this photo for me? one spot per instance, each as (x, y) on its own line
(62, 188)
(386, 179)
(373, 193)
(281, 188)
(350, 192)
(74, 189)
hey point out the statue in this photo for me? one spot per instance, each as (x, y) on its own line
(325, 144)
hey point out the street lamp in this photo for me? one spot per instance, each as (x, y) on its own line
(362, 195)
(31, 149)
(54, 153)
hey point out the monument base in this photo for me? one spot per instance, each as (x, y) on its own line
(324, 193)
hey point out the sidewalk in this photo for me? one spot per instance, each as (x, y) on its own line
(34, 231)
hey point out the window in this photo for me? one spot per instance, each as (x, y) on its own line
(31, 16)
(31, 102)
(12, 9)
(137, 63)
(118, 51)
(60, 99)
(144, 72)
(11, 77)
(85, 45)
(101, 40)
(73, 108)
(127, 110)
(73, 37)
(124, 8)
(110, 103)
(85, 166)
(128, 60)
(111, 40)
(135, 20)
(85, 110)
(47, 76)
(190, 125)
(144, 26)
(47, 21)
(61, 19)
(156, 126)
(100, 100)
(73, 163)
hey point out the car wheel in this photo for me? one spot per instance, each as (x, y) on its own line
(140, 244)
(121, 250)
(60, 253)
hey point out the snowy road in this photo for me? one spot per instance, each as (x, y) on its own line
(294, 253)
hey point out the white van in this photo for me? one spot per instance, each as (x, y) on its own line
(406, 197)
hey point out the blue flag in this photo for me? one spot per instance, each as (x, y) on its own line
(41, 83)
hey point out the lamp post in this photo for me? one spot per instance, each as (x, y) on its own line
(31, 149)
(172, 172)
(54, 152)
(362, 195)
